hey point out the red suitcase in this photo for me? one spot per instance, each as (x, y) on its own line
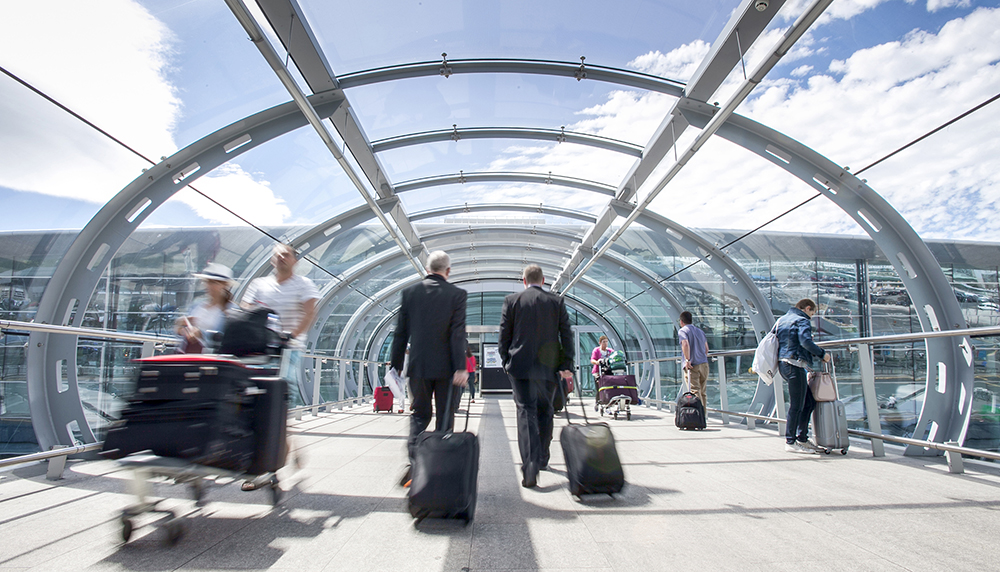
(383, 399)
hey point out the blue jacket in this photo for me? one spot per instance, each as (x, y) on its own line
(795, 337)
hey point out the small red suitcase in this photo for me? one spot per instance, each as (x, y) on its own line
(383, 399)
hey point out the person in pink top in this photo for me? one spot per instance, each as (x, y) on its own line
(600, 352)
(470, 366)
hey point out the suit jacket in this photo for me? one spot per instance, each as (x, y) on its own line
(432, 319)
(535, 337)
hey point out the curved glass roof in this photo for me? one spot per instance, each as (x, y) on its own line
(473, 115)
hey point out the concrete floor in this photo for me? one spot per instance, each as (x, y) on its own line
(721, 499)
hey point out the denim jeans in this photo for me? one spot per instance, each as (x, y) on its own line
(800, 403)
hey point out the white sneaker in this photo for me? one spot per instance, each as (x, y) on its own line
(809, 445)
(798, 448)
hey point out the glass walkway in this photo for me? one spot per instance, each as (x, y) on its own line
(721, 499)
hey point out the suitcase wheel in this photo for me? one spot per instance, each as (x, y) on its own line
(175, 530)
(275, 492)
(843, 451)
(616, 415)
(126, 528)
(628, 415)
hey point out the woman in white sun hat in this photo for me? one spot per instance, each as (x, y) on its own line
(207, 315)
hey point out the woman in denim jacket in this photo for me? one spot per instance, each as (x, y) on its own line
(795, 352)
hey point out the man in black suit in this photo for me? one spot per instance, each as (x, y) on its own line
(432, 319)
(535, 342)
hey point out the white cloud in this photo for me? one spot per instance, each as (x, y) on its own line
(801, 71)
(935, 5)
(679, 64)
(238, 190)
(106, 61)
(865, 106)
(110, 62)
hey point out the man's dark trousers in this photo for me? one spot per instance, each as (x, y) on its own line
(533, 398)
(422, 392)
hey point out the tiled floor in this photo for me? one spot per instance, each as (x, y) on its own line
(724, 499)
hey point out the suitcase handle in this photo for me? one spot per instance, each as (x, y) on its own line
(448, 401)
(562, 387)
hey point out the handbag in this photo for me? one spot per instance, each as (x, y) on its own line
(823, 384)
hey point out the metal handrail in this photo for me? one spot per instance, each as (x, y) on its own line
(77, 449)
(8, 325)
(889, 339)
(43, 455)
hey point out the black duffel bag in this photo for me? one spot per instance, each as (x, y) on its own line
(246, 332)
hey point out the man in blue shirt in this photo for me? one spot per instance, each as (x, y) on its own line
(795, 352)
(694, 346)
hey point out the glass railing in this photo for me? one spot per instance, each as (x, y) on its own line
(899, 368)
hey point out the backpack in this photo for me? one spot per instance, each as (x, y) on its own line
(246, 332)
(690, 412)
(765, 359)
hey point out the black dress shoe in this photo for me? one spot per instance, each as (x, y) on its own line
(530, 479)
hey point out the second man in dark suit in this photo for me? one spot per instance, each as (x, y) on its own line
(432, 319)
(535, 342)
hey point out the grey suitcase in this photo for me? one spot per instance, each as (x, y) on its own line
(830, 426)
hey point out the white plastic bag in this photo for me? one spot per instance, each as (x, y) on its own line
(765, 359)
(394, 382)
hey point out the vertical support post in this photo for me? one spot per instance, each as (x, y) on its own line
(360, 382)
(659, 390)
(342, 395)
(317, 371)
(56, 465)
(867, 366)
(723, 389)
(954, 459)
(148, 348)
(779, 402)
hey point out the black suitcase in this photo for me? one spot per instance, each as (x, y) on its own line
(270, 425)
(592, 462)
(192, 407)
(445, 474)
(690, 412)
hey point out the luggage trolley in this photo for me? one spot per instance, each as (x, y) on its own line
(195, 419)
(617, 392)
(147, 467)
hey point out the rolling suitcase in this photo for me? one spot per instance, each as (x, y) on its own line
(830, 426)
(445, 473)
(193, 407)
(690, 414)
(383, 399)
(270, 425)
(592, 462)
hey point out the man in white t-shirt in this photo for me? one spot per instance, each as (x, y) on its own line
(292, 297)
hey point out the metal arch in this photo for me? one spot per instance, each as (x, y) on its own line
(539, 178)
(76, 277)
(534, 231)
(513, 207)
(361, 315)
(385, 326)
(932, 295)
(331, 296)
(578, 71)
(289, 24)
(744, 27)
(456, 134)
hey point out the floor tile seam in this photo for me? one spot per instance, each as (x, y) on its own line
(56, 541)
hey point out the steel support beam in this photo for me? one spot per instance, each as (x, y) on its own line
(538, 178)
(456, 134)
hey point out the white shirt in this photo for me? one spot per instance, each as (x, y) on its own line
(207, 318)
(285, 298)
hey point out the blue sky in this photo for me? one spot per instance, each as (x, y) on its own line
(869, 77)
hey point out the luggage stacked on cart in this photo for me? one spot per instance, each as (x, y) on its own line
(208, 410)
(617, 392)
